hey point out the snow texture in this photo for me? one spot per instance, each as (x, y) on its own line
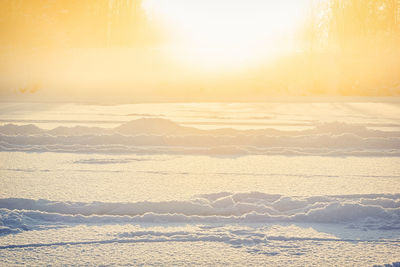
(161, 136)
(373, 211)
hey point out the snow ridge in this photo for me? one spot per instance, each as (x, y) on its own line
(377, 211)
(161, 136)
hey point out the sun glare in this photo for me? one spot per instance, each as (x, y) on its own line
(227, 33)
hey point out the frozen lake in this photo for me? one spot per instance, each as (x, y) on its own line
(204, 184)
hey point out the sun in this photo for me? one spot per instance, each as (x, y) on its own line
(226, 34)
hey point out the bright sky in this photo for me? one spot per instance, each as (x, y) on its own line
(202, 50)
(227, 33)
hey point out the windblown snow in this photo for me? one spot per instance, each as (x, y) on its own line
(380, 211)
(162, 136)
(208, 184)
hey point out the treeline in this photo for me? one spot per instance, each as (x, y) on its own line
(70, 23)
(354, 23)
(352, 47)
(122, 22)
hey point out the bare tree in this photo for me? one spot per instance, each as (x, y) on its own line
(74, 23)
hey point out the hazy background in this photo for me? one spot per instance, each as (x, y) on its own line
(159, 50)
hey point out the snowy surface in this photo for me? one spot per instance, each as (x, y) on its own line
(134, 178)
(205, 184)
(162, 136)
(187, 245)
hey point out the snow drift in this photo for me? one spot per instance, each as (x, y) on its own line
(377, 211)
(154, 136)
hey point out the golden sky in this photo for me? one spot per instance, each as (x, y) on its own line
(192, 50)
